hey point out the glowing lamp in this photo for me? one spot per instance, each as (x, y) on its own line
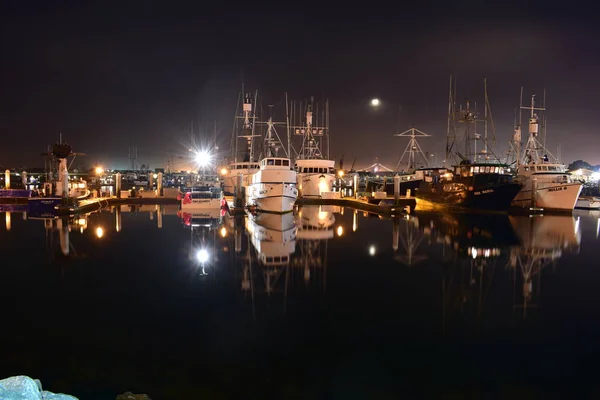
(202, 158)
(224, 171)
(99, 232)
(202, 256)
(340, 173)
(375, 102)
(340, 230)
(99, 170)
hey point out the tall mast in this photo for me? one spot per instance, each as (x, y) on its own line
(312, 133)
(287, 126)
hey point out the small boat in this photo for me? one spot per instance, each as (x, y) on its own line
(205, 197)
(588, 203)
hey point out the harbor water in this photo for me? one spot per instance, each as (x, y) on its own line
(325, 302)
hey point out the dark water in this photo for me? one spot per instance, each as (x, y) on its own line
(364, 308)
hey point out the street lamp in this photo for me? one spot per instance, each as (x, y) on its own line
(375, 102)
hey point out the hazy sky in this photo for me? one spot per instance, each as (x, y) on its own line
(111, 74)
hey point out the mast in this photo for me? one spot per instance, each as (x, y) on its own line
(272, 141)
(533, 147)
(412, 149)
(312, 133)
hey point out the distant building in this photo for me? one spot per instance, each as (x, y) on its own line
(586, 175)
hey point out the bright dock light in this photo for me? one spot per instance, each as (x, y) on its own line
(99, 232)
(202, 158)
(202, 256)
(340, 230)
(371, 250)
(375, 102)
(99, 170)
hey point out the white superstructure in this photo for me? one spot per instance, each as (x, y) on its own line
(547, 184)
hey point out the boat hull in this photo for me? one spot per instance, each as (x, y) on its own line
(549, 196)
(272, 197)
(487, 198)
(43, 206)
(313, 185)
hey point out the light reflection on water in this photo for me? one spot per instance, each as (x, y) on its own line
(246, 285)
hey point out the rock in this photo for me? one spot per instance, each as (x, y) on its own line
(19, 388)
(131, 396)
(46, 395)
(25, 388)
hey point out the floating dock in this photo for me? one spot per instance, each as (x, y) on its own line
(382, 207)
(89, 205)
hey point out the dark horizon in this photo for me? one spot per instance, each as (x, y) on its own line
(138, 74)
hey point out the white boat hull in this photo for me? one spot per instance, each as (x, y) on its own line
(202, 204)
(588, 203)
(549, 196)
(272, 197)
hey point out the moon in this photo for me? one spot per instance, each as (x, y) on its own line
(375, 102)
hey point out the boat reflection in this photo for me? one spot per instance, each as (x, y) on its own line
(315, 228)
(544, 239)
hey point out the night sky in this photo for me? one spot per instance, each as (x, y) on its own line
(111, 74)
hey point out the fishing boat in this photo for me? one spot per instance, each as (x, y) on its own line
(546, 182)
(479, 181)
(273, 186)
(243, 162)
(315, 171)
(61, 191)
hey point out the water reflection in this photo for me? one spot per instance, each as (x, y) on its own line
(278, 281)
(544, 240)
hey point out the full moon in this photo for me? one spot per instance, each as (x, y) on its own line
(375, 102)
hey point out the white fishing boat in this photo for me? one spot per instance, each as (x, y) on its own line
(273, 187)
(588, 203)
(315, 172)
(546, 183)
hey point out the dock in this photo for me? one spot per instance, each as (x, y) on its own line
(386, 207)
(95, 204)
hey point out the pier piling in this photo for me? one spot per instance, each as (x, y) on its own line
(355, 186)
(159, 182)
(396, 188)
(7, 179)
(118, 185)
(238, 194)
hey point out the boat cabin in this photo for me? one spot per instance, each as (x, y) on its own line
(243, 165)
(275, 163)
(544, 168)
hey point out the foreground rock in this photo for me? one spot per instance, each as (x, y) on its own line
(131, 396)
(25, 388)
